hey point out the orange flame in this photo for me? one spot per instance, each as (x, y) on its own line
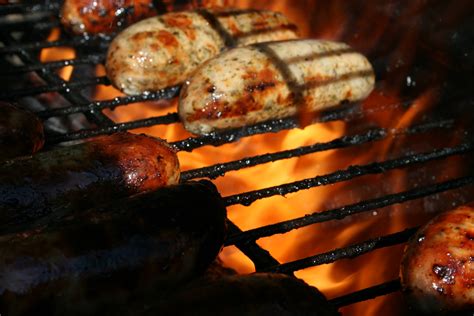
(330, 20)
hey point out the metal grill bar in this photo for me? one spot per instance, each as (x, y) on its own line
(218, 170)
(60, 86)
(259, 256)
(99, 42)
(53, 79)
(90, 59)
(347, 174)
(221, 169)
(367, 294)
(166, 119)
(346, 252)
(348, 210)
(164, 94)
(32, 6)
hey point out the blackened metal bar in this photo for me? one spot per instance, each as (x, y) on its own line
(62, 87)
(29, 7)
(90, 59)
(348, 210)
(25, 26)
(52, 78)
(101, 43)
(346, 112)
(164, 94)
(367, 293)
(87, 133)
(349, 252)
(261, 258)
(248, 198)
(220, 169)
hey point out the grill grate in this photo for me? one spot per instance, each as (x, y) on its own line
(245, 241)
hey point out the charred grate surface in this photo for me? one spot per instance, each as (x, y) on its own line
(343, 175)
(37, 14)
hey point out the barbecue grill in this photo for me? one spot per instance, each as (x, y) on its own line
(24, 31)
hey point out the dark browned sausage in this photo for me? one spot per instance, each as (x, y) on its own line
(438, 266)
(69, 179)
(255, 294)
(21, 132)
(108, 255)
(108, 16)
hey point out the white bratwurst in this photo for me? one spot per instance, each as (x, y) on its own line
(163, 51)
(266, 81)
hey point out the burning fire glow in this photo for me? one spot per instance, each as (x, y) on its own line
(317, 19)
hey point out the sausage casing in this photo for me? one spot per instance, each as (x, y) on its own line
(163, 51)
(255, 294)
(21, 132)
(438, 265)
(73, 178)
(266, 81)
(110, 254)
(108, 16)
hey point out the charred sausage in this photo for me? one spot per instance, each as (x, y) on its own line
(108, 255)
(108, 16)
(163, 51)
(255, 294)
(69, 179)
(21, 132)
(438, 265)
(272, 80)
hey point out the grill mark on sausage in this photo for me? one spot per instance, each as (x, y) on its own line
(282, 27)
(296, 90)
(216, 25)
(313, 56)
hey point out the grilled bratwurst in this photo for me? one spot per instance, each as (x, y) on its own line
(21, 132)
(163, 51)
(255, 294)
(108, 16)
(438, 266)
(266, 81)
(69, 179)
(108, 255)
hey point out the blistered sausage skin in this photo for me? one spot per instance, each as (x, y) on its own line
(88, 263)
(163, 51)
(21, 132)
(108, 16)
(59, 182)
(438, 265)
(265, 81)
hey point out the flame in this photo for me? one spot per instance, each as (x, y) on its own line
(58, 53)
(330, 20)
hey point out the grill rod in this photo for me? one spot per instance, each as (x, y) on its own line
(367, 293)
(352, 172)
(348, 210)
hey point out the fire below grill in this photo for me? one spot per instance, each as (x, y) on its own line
(438, 139)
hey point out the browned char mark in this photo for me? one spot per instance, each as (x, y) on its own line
(297, 90)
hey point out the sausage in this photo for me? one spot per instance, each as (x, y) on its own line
(438, 265)
(84, 17)
(34, 190)
(21, 132)
(163, 51)
(265, 81)
(110, 254)
(255, 294)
